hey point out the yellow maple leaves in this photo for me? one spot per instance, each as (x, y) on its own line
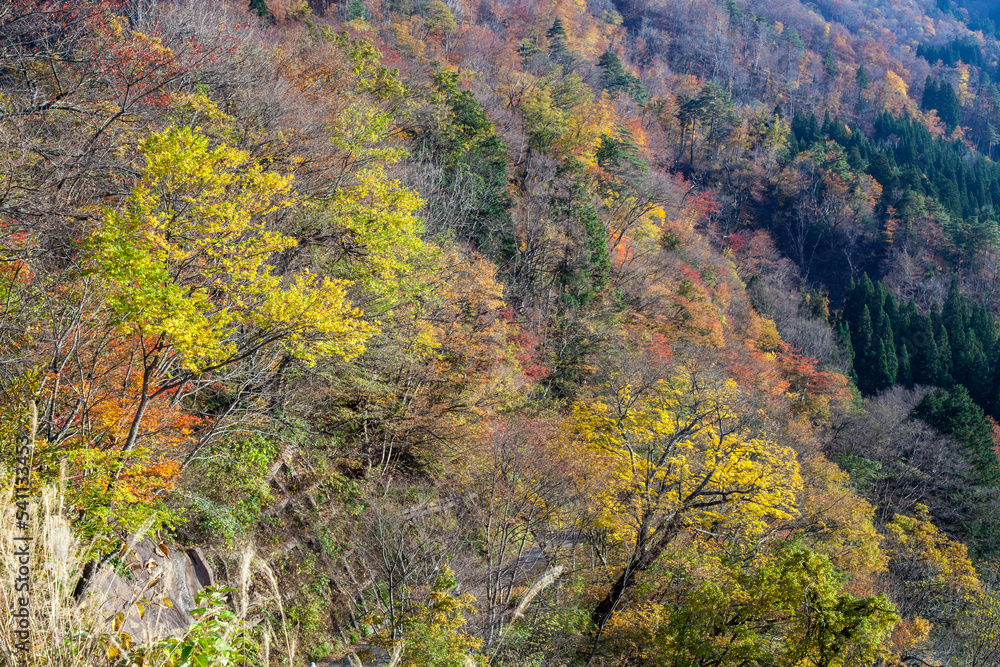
(186, 260)
(379, 216)
(680, 448)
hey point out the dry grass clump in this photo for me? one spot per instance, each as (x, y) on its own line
(109, 625)
(60, 631)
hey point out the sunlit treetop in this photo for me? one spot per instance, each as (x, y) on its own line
(188, 260)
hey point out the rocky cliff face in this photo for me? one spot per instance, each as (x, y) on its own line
(156, 591)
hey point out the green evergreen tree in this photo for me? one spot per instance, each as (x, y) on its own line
(557, 41)
(886, 362)
(794, 39)
(805, 127)
(830, 65)
(862, 78)
(618, 154)
(892, 311)
(948, 107)
(260, 7)
(927, 358)
(865, 355)
(844, 338)
(356, 10)
(734, 11)
(526, 49)
(856, 161)
(984, 325)
(475, 161)
(945, 379)
(973, 371)
(930, 98)
(876, 371)
(956, 317)
(904, 375)
(956, 414)
(616, 77)
(906, 316)
(878, 299)
(859, 295)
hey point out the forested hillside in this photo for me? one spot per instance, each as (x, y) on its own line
(513, 332)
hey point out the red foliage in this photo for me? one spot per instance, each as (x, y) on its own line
(659, 349)
(529, 354)
(755, 370)
(805, 380)
(703, 204)
(754, 252)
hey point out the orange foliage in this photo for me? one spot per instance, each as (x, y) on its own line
(812, 391)
(755, 370)
(97, 409)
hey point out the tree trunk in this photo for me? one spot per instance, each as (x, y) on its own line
(638, 564)
(643, 559)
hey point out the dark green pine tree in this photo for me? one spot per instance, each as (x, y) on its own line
(956, 414)
(882, 170)
(948, 107)
(881, 293)
(904, 375)
(616, 77)
(930, 99)
(862, 78)
(859, 295)
(855, 161)
(612, 71)
(984, 325)
(830, 65)
(557, 41)
(892, 311)
(844, 338)
(876, 370)
(865, 355)
(926, 358)
(907, 317)
(945, 379)
(886, 364)
(806, 128)
(260, 7)
(956, 317)
(734, 11)
(356, 10)
(973, 370)
(971, 356)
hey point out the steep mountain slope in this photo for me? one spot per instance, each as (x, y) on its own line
(541, 332)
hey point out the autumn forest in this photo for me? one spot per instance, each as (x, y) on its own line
(461, 333)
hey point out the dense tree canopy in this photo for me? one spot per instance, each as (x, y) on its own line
(509, 333)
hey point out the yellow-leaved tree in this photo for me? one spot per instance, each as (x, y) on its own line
(685, 452)
(186, 266)
(371, 234)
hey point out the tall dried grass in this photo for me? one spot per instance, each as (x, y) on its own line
(63, 632)
(91, 632)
